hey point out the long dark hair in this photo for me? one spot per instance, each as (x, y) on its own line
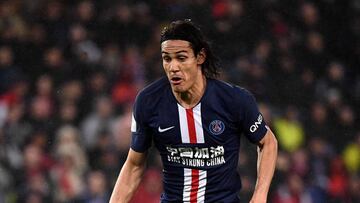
(188, 31)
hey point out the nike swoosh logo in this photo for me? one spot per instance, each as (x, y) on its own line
(165, 129)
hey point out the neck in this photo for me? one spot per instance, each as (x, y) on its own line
(192, 97)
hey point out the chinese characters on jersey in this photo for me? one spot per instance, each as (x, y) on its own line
(196, 157)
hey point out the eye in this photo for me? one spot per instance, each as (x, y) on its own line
(181, 58)
(166, 58)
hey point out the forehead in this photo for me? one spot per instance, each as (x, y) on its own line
(174, 46)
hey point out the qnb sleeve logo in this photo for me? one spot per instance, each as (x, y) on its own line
(257, 123)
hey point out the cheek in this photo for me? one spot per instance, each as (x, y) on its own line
(165, 67)
(190, 73)
(194, 68)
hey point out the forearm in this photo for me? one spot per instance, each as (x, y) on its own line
(127, 182)
(267, 154)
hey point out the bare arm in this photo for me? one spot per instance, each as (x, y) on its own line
(129, 177)
(267, 154)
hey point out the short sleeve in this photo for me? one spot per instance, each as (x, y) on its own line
(141, 137)
(251, 120)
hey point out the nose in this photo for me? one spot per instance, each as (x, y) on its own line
(173, 66)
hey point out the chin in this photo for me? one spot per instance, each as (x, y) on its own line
(178, 89)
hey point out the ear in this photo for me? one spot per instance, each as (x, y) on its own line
(201, 57)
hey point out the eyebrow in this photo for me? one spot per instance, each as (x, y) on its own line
(178, 52)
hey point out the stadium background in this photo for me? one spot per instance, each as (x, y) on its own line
(69, 72)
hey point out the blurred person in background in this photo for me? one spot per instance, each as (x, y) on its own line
(97, 85)
(121, 133)
(337, 186)
(287, 82)
(9, 72)
(85, 14)
(130, 77)
(82, 46)
(43, 104)
(100, 119)
(200, 161)
(295, 191)
(320, 155)
(106, 157)
(120, 28)
(44, 87)
(41, 114)
(34, 177)
(351, 155)
(68, 173)
(289, 130)
(317, 121)
(13, 86)
(68, 114)
(55, 65)
(54, 20)
(6, 177)
(354, 188)
(344, 128)
(17, 128)
(96, 191)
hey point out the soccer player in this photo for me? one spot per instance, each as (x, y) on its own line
(195, 121)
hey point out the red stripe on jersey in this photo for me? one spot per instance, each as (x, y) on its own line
(191, 126)
(194, 185)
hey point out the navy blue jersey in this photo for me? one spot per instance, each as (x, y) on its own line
(199, 146)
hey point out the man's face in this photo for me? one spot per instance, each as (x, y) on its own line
(181, 66)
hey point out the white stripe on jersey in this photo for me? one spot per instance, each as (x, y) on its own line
(198, 124)
(187, 184)
(185, 138)
(202, 186)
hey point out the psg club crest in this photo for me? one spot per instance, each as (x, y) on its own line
(216, 127)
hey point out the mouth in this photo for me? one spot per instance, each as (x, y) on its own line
(175, 80)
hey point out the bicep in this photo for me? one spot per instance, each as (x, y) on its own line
(268, 139)
(136, 159)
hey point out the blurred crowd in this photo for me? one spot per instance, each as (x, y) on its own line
(70, 70)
